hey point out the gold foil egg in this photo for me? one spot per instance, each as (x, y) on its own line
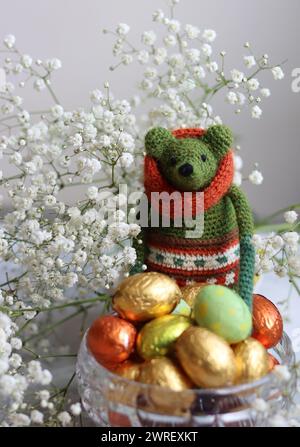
(156, 339)
(172, 396)
(165, 373)
(145, 296)
(206, 358)
(252, 360)
(190, 292)
(129, 370)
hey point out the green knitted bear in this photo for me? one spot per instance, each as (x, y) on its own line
(193, 160)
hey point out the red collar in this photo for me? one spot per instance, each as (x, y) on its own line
(154, 181)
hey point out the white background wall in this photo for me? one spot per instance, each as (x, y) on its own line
(71, 30)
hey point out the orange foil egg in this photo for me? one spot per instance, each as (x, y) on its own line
(272, 362)
(111, 340)
(267, 321)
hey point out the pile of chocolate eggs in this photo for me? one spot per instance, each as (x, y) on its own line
(200, 336)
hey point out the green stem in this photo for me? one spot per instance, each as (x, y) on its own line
(50, 327)
(269, 218)
(100, 298)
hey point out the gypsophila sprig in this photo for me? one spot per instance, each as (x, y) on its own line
(48, 245)
(183, 75)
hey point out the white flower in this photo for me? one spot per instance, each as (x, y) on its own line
(199, 72)
(143, 56)
(50, 200)
(206, 49)
(265, 92)
(9, 41)
(253, 84)
(148, 37)
(64, 418)
(212, 67)
(278, 73)
(123, 29)
(290, 217)
(209, 35)
(249, 61)
(92, 193)
(16, 343)
(192, 31)
(53, 64)
(237, 76)
(126, 160)
(282, 373)
(127, 59)
(96, 96)
(37, 417)
(256, 177)
(174, 26)
(256, 112)
(170, 40)
(57, 111)
(75, 409)
(158, 16)
(291, 238)
(26, 61)
(232, 97)
(39, 84)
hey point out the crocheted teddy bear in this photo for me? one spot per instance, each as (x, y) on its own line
(193, 160)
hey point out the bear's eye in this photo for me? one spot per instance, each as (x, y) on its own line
(173, 161)
(203, 157)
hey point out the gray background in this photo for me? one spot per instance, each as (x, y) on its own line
(71, 30)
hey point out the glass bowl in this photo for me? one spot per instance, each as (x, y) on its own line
(113, 401)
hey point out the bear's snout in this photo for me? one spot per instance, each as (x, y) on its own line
(186, 170)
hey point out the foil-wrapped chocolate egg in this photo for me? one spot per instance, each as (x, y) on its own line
(190, 292)
(165, 373)
(206, 358)
(145, 296)
(267, 321)
(129, 370)
(252, 360)
(173, 395)
(156, 339)
(222, 311)
(111, 340)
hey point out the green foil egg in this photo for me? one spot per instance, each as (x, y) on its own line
(157, 337)
(222, 311)
(182, 308)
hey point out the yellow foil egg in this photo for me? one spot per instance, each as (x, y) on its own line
(156, 339)
(190, 292)
(206, 358)
(252, 360)
(145, 296)
(172, 396)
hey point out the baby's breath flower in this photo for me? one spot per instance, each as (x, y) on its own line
(291, 217)
(278, 73)
(256, 177)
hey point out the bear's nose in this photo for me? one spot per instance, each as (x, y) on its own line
(186, 170)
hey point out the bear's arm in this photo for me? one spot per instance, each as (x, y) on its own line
(247, 252)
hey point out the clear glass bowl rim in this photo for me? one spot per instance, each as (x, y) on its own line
(232, 390)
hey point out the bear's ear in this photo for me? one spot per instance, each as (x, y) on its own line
(157, 140)
(219, 138)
